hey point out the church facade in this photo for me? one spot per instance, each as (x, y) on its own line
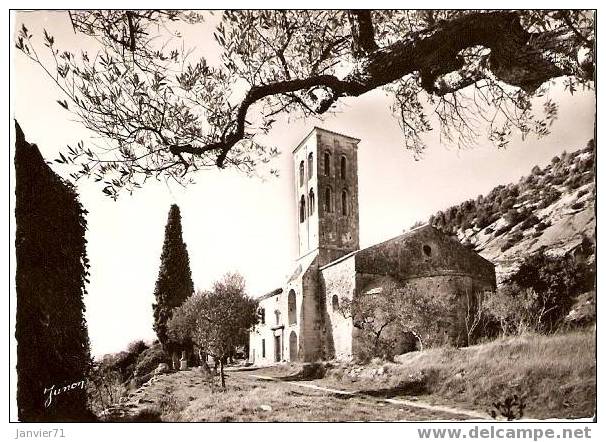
(301, 321)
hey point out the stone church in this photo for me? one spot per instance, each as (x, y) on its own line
(301, 320)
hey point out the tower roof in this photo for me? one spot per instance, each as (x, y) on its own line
(319, 129)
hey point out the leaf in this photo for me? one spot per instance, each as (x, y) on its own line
(63, 104)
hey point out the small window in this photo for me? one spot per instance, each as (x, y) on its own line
(262, 348)
(312, 202)
(335, 303)
(301, 173)
(277, 313)
(328, 200)
(344, 203)
(262, 315)
(343, 167)
(310, 165)
(327, 163)
(302, 209)
(427, 250)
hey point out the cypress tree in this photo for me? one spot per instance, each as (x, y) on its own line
(53, 355)
(174, 284)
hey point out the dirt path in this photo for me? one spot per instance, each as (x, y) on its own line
(469, 414)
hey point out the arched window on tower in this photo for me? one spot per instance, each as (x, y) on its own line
(302, 209)
(327, 163)
(312, 202)
(292, 307)
(344, 203)
(310, 164)
(343, 167)
(328, 200)
(301, 173)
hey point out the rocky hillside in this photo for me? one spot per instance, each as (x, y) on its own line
(551, 208)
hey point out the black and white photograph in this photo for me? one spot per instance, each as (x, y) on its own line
(303, 215)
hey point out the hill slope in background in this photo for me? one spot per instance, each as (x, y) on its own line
(552, 208)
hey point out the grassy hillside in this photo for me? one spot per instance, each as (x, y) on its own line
(551, 208)
(555, 374)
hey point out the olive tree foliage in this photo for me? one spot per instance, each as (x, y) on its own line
(218, 320)
(164, 111)
(385, 317)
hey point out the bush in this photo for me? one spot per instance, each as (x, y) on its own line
(574, 181)
(549, 197)
(529, 222)
(542, 225)
(516, 310)
(149, 359)
(558, 180)
(137, 347)
(503, 229)
(578, 205)
(104, 387)
(508, 204)
(557, 280)
(513, 239)
(513, 216)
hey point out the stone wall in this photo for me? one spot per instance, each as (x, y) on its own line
(339, 234)
(338, 283)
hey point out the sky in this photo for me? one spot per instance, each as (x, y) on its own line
(235, 223)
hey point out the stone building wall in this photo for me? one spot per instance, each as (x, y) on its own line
(338, 283)
(424, 251)
(339, 233)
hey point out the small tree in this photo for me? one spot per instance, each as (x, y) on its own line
(217, 321)
(383, 318)
(174, 284)
(475, 315)
(555, 281)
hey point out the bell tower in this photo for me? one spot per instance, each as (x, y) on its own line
(326, 188)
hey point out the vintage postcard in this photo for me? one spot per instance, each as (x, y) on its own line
(310, 215)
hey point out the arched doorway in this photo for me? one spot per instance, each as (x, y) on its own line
(293, 345)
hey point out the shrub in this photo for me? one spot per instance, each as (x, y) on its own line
(557, 280)
(513, 239)
(503, 229)
(549, 197)
(489, 230)
(508, 204)
(529, 222)
(587, 178)
(104, 387)
(574, 181)
(578, 205)
(483, 220)
(582, 192)
(558, 180)
(513, 216)
(542, 225)
(137, 347)
(149, 359)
